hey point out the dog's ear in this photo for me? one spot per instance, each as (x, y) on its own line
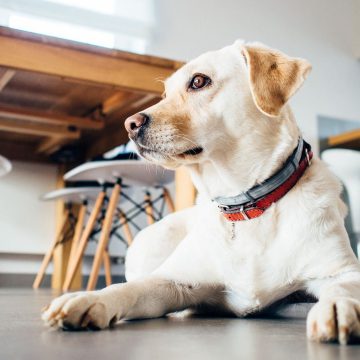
(274, 77)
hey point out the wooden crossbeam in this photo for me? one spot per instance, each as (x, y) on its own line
(139, 104)
(17, 150)
(120, 101)
(38, 130)
(7, 76)
(39, 117)
(116, 71)
(51, 144)
(116, 101)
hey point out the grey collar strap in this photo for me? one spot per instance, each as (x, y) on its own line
(259, 191)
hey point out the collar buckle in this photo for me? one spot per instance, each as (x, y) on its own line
(228, 209)
(224, 208)
(243, 213)
(308, 159)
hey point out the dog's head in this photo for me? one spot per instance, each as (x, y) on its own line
(215, 101)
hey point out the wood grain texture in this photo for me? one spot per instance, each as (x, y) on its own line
(5, 78)
(49, 254)
(49, 119)
(62, 251)
(75, 263)
(126, 228)
(38, 130)
(149, 212)
(62, 43)
(185, 193)
(52, 82)
(348, 140)
(104, 236)
(168, 200)
(92, 67)
(77, 279)
(51, 144)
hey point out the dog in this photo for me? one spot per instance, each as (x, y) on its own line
(225, 117)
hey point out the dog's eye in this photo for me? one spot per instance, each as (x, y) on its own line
(199, 81)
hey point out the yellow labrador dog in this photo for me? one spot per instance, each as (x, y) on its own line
(269, 221)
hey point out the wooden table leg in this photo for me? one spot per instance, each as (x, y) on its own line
(149, 209)
(107, 267)
(104, 237)
(125, 225)
(185, 192)
(83, 241)
(47, 258)
(168, 200)
(62, 250)
(76, 283)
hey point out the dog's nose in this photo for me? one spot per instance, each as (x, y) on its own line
(135, 122)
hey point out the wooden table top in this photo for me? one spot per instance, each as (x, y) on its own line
(347, 140)
(57, 94)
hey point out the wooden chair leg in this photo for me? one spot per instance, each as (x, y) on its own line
(168, 200)
(149, 209)
(77, 233)
(185, 192)
(71, 270)
(47, 258)
(107, 267)
(104, 237)
(125, 225)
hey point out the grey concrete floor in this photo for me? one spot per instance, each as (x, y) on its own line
(23, 336)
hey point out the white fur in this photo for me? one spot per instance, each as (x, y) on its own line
(298, 244)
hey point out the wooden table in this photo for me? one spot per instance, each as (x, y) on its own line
(62, 99)
(55, 92)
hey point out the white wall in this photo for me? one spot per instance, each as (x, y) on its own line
(356, 28)
(319, 30)
(27, 225)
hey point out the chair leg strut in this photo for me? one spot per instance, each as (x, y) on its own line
(48, 256)
(104, 237)
(83, 241)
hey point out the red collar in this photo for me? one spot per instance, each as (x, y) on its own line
(257, 206)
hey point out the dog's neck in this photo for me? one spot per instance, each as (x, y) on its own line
(252, 160)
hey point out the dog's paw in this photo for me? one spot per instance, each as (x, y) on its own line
(334, 320)
(76, 311)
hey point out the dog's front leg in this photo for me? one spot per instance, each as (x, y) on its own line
(336, 317)
(147, 298)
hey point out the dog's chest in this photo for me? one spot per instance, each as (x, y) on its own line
(254, 274)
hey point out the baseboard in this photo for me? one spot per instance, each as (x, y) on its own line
(26, 280)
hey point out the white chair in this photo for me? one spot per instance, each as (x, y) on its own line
(120, 173)
(346, 165)
(78, 195)
(5, 166)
